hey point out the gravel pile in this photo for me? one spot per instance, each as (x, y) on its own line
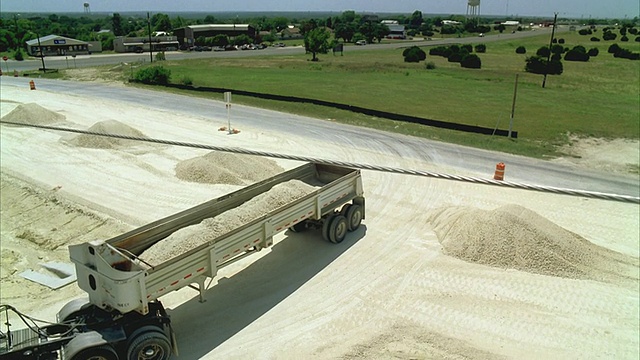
(104, 142)
(33, 114)
(209, 229)
(219, 167)
(514, 237)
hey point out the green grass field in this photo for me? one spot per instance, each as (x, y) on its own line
(599, 98)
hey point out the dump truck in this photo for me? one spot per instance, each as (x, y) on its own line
(123, 317)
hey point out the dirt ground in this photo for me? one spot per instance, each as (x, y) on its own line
(404, 286)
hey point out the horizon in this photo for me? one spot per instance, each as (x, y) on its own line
(576, 9)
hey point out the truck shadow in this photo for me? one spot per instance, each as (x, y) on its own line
(236, 302)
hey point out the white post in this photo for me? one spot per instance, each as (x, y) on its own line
(227, 100)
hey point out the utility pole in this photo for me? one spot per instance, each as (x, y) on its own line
(150, 46)
(513, 106)
(553, 32)
(44, 69)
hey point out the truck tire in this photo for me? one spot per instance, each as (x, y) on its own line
(338, 229)
(354, 216)
(325, 226)
(103, 352)
(150, 345)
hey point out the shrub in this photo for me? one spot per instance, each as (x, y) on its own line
(556, 57)
(467, 47)
(543, 51)
(18, 55)
(455, 57)
(481, 48)
(608, 36)
(521, 50)
(627, 54)
(554, 41)
(614, 48)
(633, 31)
(593, 52)
(584, 32)
(538, 65)
(160, 56)
(186, 80)
(561, 41)
(454, 48)
(430, 65)
(557, 49)
(153, 75)
(578, 53)
(414, 54)
(624, 38)
(595, 38)
(438, 50)
(637, 38)
(471, 61)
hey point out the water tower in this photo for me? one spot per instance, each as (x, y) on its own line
(473, 8)
(87, 8)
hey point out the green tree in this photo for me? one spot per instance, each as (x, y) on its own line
(414, 54)
(317, 41)
(161, 22)
(416, 19)
(116, 24)
(345, 31)
(209, 19)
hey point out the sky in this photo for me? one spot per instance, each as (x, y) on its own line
(619, 9)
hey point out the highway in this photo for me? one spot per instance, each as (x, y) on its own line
(81, 61)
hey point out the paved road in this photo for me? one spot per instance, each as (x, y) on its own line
(64, 62)
(462, 160)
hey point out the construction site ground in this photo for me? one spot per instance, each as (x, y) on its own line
(439, 269)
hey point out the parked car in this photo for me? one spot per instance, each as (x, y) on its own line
(138, 50)
(361, 42)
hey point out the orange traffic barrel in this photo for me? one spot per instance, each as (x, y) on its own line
(499, 174)
(32, 85)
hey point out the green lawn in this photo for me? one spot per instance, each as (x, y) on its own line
(598, 98)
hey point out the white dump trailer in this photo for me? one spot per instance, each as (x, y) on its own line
(123, 318)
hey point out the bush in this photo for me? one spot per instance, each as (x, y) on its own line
(157, 75)
(543, 51)
(627, 54)
(467, 47)
(584, 32)
(455, 57)
(556, 57)
(614, 48)
(557, 49)
(438, 50)
(538, 65)
(638, 39)
(578, 53)
(554, 41)
(521, 50)
(414, 54)
(633, 31)
(430, 65)
(18, 55)
(561, 41)
(593, 52)
(608, 36)
(595, 38)
(624, 38)
(160, 56)
(471, 61)
(480, 48)
(186, 80)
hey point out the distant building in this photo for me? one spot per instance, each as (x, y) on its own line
(291, 32)
(52, 45)
(396, 31)
(187, 35)
(123, 44)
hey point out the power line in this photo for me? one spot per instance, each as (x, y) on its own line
(430, 174)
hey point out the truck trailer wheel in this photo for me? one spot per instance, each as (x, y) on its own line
(104, 352)
(354, 216)
(338, 228)
(151, 345)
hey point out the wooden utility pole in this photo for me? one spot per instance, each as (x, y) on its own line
(513, 106)
(149, 28)
(553, 32)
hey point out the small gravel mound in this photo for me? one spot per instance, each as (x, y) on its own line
(209, 229)
(219, 167)
(105, 142)
(514, 237)
(33, 114)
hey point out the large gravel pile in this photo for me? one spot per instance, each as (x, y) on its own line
(209, 229)
(104, 142)
(33, 114)
(517, 238)
(219, 167)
